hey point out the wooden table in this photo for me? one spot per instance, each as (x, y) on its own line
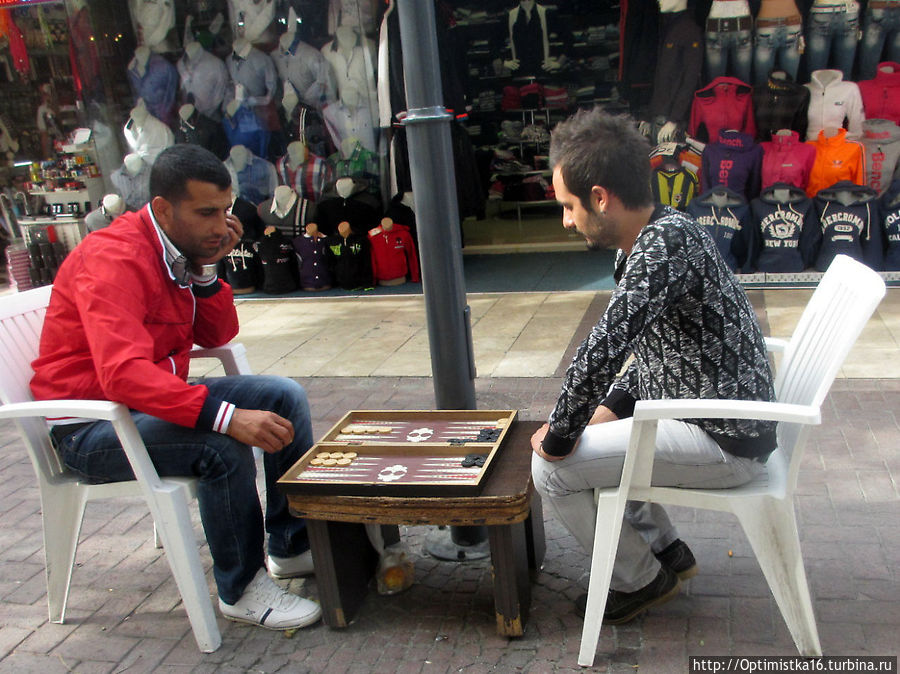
(508, 506)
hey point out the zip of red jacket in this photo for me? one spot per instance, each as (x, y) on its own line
(120, 328)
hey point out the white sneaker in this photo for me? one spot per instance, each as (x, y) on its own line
(291, 567)
(264, 603)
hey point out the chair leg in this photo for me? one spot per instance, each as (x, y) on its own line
(771, 527)
(610, 510)
(63, 511)
(174, 526)
(157, 541)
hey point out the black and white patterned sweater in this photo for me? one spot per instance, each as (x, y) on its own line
(681, 312)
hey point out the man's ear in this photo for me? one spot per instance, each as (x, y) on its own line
(162, 209)
(599, 199)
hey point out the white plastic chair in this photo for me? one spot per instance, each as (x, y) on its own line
(64, 495)
(838, 310)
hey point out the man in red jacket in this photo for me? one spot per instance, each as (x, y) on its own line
(127, 306)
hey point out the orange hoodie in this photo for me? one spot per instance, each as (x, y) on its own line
(836, 159)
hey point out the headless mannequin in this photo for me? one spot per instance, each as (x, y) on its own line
(347, 40)
(296, 154)
(283, 201)
(133, 163)
(522, 56)
(139, 113)
(240, 48)
(344, 229)
(240, 156)
(344, 187)
(113, 205)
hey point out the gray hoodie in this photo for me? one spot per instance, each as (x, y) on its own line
(881, 139)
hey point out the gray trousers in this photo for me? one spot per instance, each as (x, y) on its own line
(686, 456)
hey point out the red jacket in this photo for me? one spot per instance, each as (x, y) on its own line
(393, 254)
(881, 96)
(120, 328)
(725, 103)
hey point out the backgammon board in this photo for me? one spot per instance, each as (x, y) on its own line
(402, 453)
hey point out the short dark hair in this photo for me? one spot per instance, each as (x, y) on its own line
(179, 163)
(593, 147)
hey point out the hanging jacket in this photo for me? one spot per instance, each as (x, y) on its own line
(881, 95)
(881, 141)
(780, 104)
(734, 161)
(728, 224)
(787, 160)
(849, 223)
(834, 102)
(890, 223)
(393, 254)
(725, 103)
(784, 230)
(837, 159)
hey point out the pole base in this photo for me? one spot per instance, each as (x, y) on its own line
(441, 544)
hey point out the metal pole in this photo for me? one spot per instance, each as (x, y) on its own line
(437, 217)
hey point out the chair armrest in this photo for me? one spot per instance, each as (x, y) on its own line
(775, 344)
(233, 357)
(646, 410)
(92, 409)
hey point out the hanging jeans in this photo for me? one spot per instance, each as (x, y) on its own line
(729, 42)
(226, 493)
(777, 42)
(881, 28)
(831, 34)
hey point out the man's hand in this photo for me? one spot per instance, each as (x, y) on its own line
(536, 441)
(259, 428)
(234, 232)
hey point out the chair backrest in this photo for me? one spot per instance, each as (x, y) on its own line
(836, 314)
(21, 320)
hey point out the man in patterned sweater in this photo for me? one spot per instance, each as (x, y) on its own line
(678, 310)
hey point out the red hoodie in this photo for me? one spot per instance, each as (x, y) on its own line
(725, 103)
(881, 96)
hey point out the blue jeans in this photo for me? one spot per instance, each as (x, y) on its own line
(736, 46)
(227, 495)
(880, 27)
(832, 35)
(776, 42)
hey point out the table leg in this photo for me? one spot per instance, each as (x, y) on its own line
(512, 587)
(345, 562)
(534, 534)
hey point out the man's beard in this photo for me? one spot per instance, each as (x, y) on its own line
(601, 237)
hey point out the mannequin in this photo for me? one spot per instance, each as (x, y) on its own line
(145, 134)
(352, 60)
(311, 249)
(132, 181)
(254, 71)
(154, 19)
(204, 79)
(356, 161)
(837, 159)
(529, 41)
(307, 173)
(780, 103)
(729, 47)
(296, 153)
(283, 200)
(155, 80)
(186, 111)
(348, 201)
(779, 37)
(111, 207)
(344, 187)
(785, 229)
(198, 129)
(834, 101)
(279, 262)
(349, 257)
(881, 36)
(393, 254)
(304, 67)
(725, 215)
(252, 177)
(831, 35)
(251, 19)
(285, 210)
(678, 68)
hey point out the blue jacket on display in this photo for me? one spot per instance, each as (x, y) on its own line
(849, 223)
(725, 216)
(890, 217)
(735, 161)
(784, 230)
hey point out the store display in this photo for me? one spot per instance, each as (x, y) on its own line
(780, 103)
(881, 95)
(837, 159)
(204, 80)
(890, 214)
(832, 34)
(279, 263)
(132, 181)
(786, 159)
(394, 256)
(145, 134)
(154, 20)
(725, 103)
(312, 258)
(196, 128)
(154, 80)
(286, 210)
(725, 215)
(252, 177)
(729, 41)
(777, 41)
(349, 201)
(734, 161)
(350, 258)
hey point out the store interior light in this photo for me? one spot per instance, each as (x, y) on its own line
(19, 164)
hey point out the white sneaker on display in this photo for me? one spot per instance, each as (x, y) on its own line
(291, 567)
(267, 605)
